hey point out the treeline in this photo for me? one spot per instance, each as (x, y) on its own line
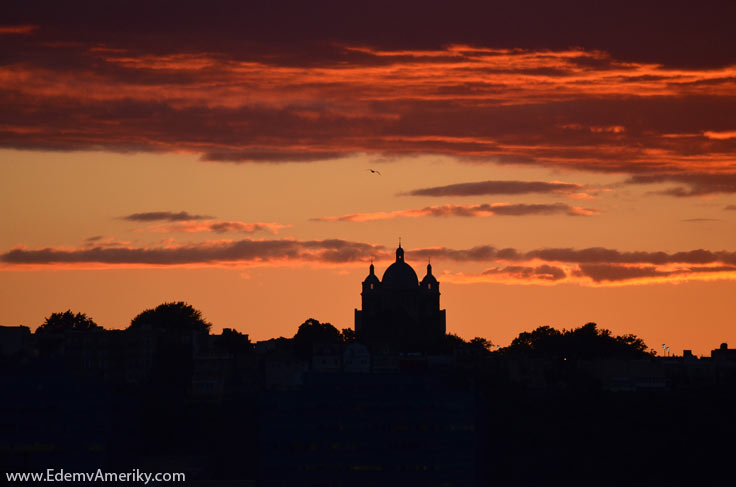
(585, 342)
(167, 316)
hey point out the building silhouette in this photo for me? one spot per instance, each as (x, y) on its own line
(399, 310)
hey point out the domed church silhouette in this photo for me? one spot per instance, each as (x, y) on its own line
(399, 310)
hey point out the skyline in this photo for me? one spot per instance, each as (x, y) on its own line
(555, 176)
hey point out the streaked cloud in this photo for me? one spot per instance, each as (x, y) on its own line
(172, 216)
(105, 242)
(315, 33)
(483, 210)
(720, 135)
(542, 272)
(223, 252)
(615, 273)
(590, 266)
(484, 253)
(17, 29)
(692, 183)
(564, 108)
(215, 226)
(185, 222)
(481, 188)
(604, 255)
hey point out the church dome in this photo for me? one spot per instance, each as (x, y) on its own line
(400, 275)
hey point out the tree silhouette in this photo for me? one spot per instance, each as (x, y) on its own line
(234, 342)
(633, 343)
(542, 341)
(477, 347)
(453, 340)
(348, 335)
(60, 322)
(180, 330)
(481, 344)
(175, 316)
(585, 342)
(313, 332)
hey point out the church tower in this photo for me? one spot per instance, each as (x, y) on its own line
(398, 310)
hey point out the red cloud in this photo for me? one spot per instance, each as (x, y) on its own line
(573, 108)
(17, 29)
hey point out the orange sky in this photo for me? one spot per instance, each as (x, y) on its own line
(549, 184)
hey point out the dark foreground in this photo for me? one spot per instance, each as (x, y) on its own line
(451, 427)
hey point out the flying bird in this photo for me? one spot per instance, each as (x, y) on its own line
(373, 171)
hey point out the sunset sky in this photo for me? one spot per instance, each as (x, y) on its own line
(559, 162)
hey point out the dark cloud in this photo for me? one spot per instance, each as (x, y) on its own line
(344, 251)
(683, 34)
(72, 85)
(544, 272)
(618, 273)
(606, 133)
(291, 81)
(598, 265)
(539, 209)
(694, 184)
(481, 253)
(592, 255)
(222, 227)
(603, 255)
(171, 216)
(241, 251)
(494, 188)
(272, 155)
(730, 208)
(612, 273)
(186, 222)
